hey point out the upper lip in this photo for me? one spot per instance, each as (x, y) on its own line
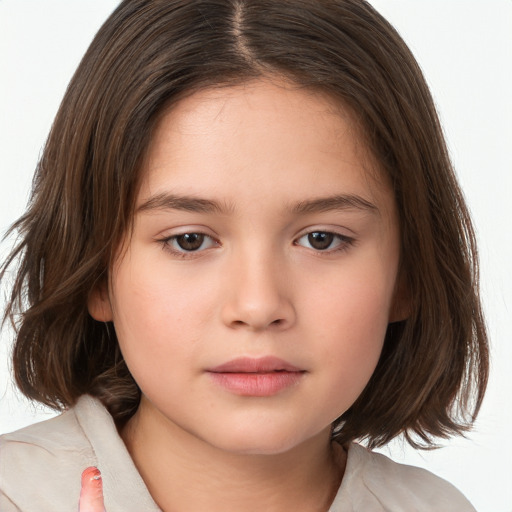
(255, 365)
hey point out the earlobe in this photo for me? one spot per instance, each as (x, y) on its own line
(402, 302)
(99, 304)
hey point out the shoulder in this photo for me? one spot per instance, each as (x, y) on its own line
(57, 450)
(41, 465)
(376, 483)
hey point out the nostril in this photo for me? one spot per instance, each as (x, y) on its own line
(240, 323)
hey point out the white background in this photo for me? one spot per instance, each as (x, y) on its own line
(465, 50)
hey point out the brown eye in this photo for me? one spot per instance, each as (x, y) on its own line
(324, 241)
(188, 244)
(320, 240)
(190, 241)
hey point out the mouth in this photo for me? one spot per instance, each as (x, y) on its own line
(256, 377)
(267, 364)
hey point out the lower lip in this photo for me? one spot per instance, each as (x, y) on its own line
(256, 384)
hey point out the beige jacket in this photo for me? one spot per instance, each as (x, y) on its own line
(40, 468)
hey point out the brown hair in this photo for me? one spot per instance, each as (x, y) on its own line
(433, 370)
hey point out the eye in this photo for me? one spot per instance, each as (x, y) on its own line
(324, 240)
(188, 242)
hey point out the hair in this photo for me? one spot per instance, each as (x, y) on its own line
(432, 373)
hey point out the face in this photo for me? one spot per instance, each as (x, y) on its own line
(252, 298)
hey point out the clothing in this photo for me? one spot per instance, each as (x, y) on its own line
(41, 465)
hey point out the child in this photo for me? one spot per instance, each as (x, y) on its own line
(245, 250)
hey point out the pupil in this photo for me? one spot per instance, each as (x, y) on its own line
(320, 240)
(190, 241)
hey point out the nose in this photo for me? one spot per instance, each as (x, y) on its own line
(259, 295)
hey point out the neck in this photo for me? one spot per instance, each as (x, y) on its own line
(183, 472)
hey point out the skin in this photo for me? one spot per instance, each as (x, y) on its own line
(265, 153)
(91, 494)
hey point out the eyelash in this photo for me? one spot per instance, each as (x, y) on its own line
(344, 242)
(182, 253)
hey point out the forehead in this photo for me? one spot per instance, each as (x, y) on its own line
(259, 139)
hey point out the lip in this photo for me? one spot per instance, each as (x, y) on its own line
(255, 365)
(264, 376)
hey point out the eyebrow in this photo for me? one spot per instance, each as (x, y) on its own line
(333, 203)
(338, 202)
(186, 203)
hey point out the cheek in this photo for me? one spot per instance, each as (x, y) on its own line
(350, 320)
(354, 300)
(155, 318)
(356, 332)
(147, 297)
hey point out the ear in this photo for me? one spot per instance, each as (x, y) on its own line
(98, 303)
(402, 302)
